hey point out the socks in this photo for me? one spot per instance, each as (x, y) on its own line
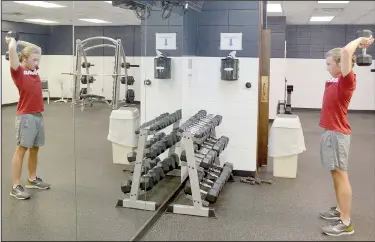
(14, 186)
(346, 222)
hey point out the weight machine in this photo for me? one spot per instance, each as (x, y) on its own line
(82, 96)
(285, 106)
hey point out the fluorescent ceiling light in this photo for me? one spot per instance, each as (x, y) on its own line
(333, 1)
(108, 2)
(274, 8)
(41, 4)
(91, 20)
(41, 21)
(321, 18)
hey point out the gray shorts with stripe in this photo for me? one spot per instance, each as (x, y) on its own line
(334, 150)
(30, 130)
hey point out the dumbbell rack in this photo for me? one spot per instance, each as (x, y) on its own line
(133, 201)
(199, 207)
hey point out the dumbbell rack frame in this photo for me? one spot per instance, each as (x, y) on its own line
(133, 201)
(199, 207)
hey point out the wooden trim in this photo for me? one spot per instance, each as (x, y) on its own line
(260, 19)
(263, 90)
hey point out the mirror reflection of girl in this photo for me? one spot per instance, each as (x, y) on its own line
(29, 119)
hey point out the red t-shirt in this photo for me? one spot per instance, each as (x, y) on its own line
(336, 99)
(30, 90)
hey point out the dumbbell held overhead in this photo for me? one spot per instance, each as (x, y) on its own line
(364, 59)
(14, 35)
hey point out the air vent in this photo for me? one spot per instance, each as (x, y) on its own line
(13, 14)
(330, 10)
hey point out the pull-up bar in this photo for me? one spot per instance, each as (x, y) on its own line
(99, 46)
(93, 74)
(83, 42)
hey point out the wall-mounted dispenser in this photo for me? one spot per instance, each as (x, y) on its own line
(162, 66)
(229, 67)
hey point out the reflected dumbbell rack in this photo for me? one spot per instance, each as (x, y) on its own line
(146, 156)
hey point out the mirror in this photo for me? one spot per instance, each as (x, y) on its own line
(36, 112)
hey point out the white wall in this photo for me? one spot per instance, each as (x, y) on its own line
(308, 76)
(51, 67)
(201, 88)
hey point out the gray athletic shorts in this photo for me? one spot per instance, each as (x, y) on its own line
(334, 150)
(30, 130)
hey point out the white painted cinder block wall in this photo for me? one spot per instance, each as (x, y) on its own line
(201, 88)
(308, 77)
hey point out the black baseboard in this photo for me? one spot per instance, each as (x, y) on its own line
(242, 173)
(53, 99)
(318, 110)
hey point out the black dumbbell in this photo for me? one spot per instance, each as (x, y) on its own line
(214, 170)
(218, 146)
(13, 34)
(200, 114)
(157, 137)
(170, 139)
(132, 156)
(16, 36)
(210, 190)
(148, 164)
(165, 164)
(160, 124)
(84, 79)
(157, 174)
(130, 96)
(205, 127)
(214, 192)
(147, 124)
(204, 184)
(208, 159)
(147, 181)
(128, 65)
(175, 159)
(151, 178)
(130, 80)
(126, 186)
(156, 149)
(88, 65)
(174, 117)
(196, 123)
(364, 59)
(208, 128)
(204, 160)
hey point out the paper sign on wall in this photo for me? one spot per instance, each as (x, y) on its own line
(230, 41)
(165, 41)
(264, 90)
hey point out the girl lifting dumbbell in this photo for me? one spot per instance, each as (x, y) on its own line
(29, 119)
